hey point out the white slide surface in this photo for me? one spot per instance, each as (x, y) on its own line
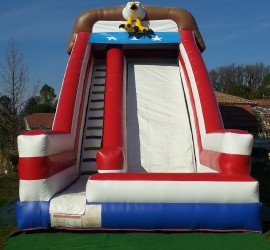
(158, 130)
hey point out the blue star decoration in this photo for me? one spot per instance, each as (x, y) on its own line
(134, 38)
(157, 38)
(111, 38)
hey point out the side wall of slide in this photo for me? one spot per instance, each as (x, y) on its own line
(226, 151)
(48, 160)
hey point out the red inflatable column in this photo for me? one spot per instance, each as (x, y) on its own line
(111, 157)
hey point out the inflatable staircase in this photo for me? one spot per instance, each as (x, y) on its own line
(92, 135)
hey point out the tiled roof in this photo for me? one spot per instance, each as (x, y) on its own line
(237, 112)
(223, 98)
(262, 102)
(39, 120)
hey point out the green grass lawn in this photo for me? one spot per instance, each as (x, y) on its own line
(57, 239)
(9, 189)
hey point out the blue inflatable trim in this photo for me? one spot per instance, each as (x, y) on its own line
(134, 38)
(191, 216)
(33, 214)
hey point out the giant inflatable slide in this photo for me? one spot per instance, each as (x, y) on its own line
(137, 142)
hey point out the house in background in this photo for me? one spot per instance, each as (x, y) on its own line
(252, 116)
(39, 121)
(261, 146)
(236, 112)
(263, 113)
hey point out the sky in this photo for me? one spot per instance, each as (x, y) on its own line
(234, 31)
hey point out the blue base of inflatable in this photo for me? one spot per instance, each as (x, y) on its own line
(33, 214)
(175, 216)
(155, 216)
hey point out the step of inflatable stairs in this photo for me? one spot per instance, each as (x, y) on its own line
(92, 135)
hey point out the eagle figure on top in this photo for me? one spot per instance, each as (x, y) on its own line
(134, 11)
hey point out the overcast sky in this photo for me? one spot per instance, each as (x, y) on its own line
(234, 31)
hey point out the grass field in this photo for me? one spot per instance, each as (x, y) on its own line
(122, 240)
(9, 188)
(56, 239)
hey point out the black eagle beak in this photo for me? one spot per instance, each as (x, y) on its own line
(133, 7)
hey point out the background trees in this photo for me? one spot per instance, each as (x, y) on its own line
(14, 104)
(14, 75)
(247, 81)
(45, 102)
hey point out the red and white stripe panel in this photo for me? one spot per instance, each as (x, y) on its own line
(171, 188)
(48, 159)
(45, 189)
(210, 133)
(235, 142)
(32, 144)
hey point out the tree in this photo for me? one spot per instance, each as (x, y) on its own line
(264, 89)
(239, 90)
(241, 80)
(47, 95)
(5, 107)
(14, 75)
(44, 103)
(254, 75)
(30, 106)
(226, 76)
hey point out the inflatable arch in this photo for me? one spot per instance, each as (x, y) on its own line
(137, 142)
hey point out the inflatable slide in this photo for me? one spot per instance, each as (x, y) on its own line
(137, 142)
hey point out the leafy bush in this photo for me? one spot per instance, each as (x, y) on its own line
(6, 165)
